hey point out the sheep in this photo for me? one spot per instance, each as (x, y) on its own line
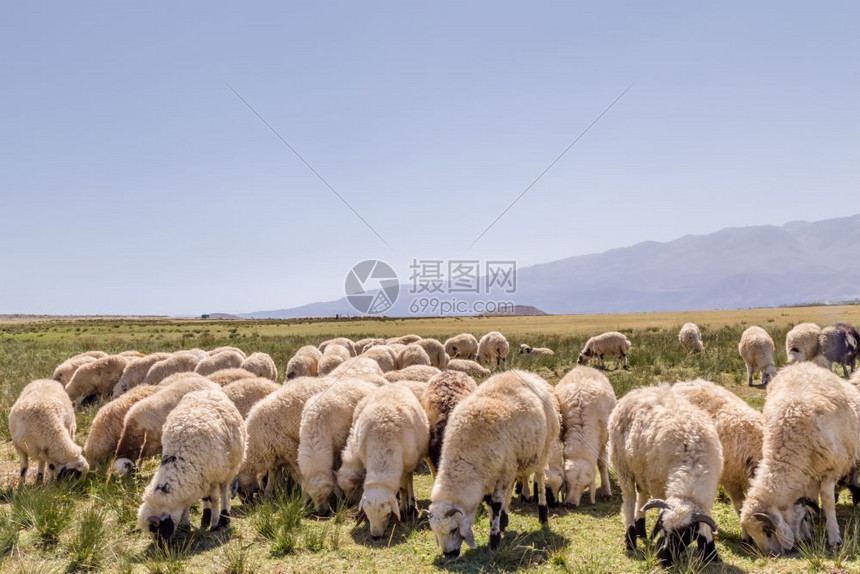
(96, 379)
(612, 343)
(176, 377)
(219, 362)
(493, 349)
(177, 363)
(840, 344)
(740, 428)
(228, 348)
(135, 372)
(93, 354)
(141, 427)
(132, 354)
(810, 442)
(403, 340)
(463, 346)
(384, 355)
(436, 351)
(225, 377)
(536, 351)
(585, 399)
(444, 392)
(201, 354)
(468, 366)
(245, 392)
(801, 343)
(413, 354)
(418, 388)
(368, 343)
(204, 441)
(362, 367)
(333, 356)
(304, 363)
(387, 440)
(347, 344)
(325, 423)
(690, 337)
(65, 370)
(261, 365)
(42, 427)
(646, 431)
(108, 423)
(502, 431)
(413, 373)
(756, 349)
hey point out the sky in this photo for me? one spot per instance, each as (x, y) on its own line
(133, 180)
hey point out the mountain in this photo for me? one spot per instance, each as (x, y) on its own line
(738, 267)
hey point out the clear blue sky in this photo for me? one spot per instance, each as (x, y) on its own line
(133, 180)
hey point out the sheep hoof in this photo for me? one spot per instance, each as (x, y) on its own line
(207, 518)
(630, 538)
(223, 520)
(495, 540)
(640, 528)
(543, 514)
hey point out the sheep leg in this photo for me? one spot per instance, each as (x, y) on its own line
(206, 519)
(224, 515)
(185, 519)
(827, 492)
(543, 511)
(641, 498)
(410, 495)
(600, 363)
(40, 472)
(605, 486)
(749, 375)
(24, 465)
(628, 508)
(496, 517)
(592, 491)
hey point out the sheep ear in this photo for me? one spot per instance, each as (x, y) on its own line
(395, 507)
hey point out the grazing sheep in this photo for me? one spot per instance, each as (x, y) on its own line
(436, 351)
(585, 399)
(403, 340)
(261, 365)
(801, 343)
(201, 354)
(305, 363)
(462, 346)
(176, 377)
(217, 350)
(810, 442)
(468, 366)
(347, 344)
(96, 379)
(840, 344)
(178, 363)
(418, 388)
(362, 367)
(493, 349)
(444, 392)
(691, 337)
(384, 355)
(412, 354)
(93, 354)
(204, 441)
(756, 349)
(65, 370)
(333, 356)
(646, 430)
(225, 377)
(387, 441)
(413, 373)
(740, 428)
(219, 362)
(135, 372)
(108, 423)
(367, 344)
(536, 351)
(141, 427)
(131, 354)
(326, 420)
(612, 344)
(502, 431)
(245, 393)
(42, 427)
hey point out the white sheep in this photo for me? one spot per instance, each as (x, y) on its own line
(690, 337)
(840, 344)
(219, 362)
(135, 372)
(493, 349)
(756, 349)
(334, 355)
(647, 429)
(223, 349)
(96, 379)
(347, 344)
(65, 370)
(362, 367)
(203, 444)
(262, 365)
(384, 355)
(181, 362)
(810, 442)
(468, 366)
(502, 431)
(609, 344)
(585, 399)
(108, 423)
(387, 441)
(131, 354)
(444, 392)
(462, 346)
(305, 363)
(245, 393)
(413, 373)
(42, 427)
(801, 343)
(93, 354)
(436, 351)
(412, 354)
(403, 340)
(176, 377)
(226, 377)
(535, 351)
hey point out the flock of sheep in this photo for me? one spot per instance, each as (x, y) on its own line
(354, 419)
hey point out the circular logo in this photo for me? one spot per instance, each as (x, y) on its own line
(372, 287)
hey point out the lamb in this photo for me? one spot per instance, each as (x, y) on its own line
(585, 399)
(135, 372)
(224, 349)
(740, 428)
(413, 354)
(536, 351)
(108, 423)
(204, 441)
(444, 392)
(801, 343)
(756, 349)
(65, 370)
(304, 363)
(387, 441)
(493, 349)
(245, 393)
(469, 367)
(227, 376)
(413, 373)
(690, 337)
(333, 356)
(219, 362)
(403, 340)
(612, 343)
(810, 442)
(42, 427)
(840, 344)
(325, 423)
(96, 379)
(384, 355)
(347, 344)
(502, 431)
(141, 427)
(436, 351)
(261, 365)
(646, 429)
(463, 346)
(178, 363)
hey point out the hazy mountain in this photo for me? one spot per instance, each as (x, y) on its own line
(737, 267)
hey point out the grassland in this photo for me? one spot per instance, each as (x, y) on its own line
(90, 525)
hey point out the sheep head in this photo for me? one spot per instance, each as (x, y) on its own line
(769, 530)
(451, 527)
(578, 477)
(678, 525)
(378, 505)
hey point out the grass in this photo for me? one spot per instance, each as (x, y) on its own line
(90, 525)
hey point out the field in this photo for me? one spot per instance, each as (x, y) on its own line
(91, 525)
